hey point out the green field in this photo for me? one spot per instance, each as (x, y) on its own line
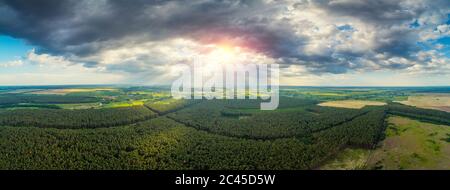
(112, 127)
(411, 144)
(348, 159)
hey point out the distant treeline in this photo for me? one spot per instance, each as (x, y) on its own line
(11, 99)
(87, 118)
(48, 106)
(427, 115)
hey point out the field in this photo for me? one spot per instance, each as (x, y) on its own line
(80, 106)
(168, 105)
(383, 94)
(411, 144)
(125, 104)
(354, 104)
(112, 127)
(429, 101)
(348, 159)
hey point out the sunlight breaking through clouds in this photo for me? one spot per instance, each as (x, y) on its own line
(141, 41)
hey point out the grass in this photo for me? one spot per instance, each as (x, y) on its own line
(348, 159)
(167, 104)
(80, 106)
(124, 104)
(354, 104)
(412, 144)
(447, 139)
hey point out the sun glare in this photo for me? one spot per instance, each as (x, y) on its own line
(223, 54)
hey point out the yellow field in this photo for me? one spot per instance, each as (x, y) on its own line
(326, 94)
(323, 94)
(124, 104)
(429, 101)
(71, 90)
(354, 104)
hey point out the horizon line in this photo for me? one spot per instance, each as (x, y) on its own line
(141, 85)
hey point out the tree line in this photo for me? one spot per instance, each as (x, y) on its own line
(10, 99)
(427, 115)
(85, 118)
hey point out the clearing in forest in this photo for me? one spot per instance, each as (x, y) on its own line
(429, 101)
(348, 159)
(354, 104)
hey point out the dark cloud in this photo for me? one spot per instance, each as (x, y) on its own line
(61, 26)
(82, 27)
(376, 11)
(398, 42)
(34, 20)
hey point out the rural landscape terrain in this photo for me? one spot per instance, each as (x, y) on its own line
(142, 127)
(95, 85)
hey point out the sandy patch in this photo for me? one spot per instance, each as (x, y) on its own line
(354, 104)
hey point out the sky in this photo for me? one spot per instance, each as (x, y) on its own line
(143, 42)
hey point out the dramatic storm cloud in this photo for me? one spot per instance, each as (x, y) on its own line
(141, 40)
